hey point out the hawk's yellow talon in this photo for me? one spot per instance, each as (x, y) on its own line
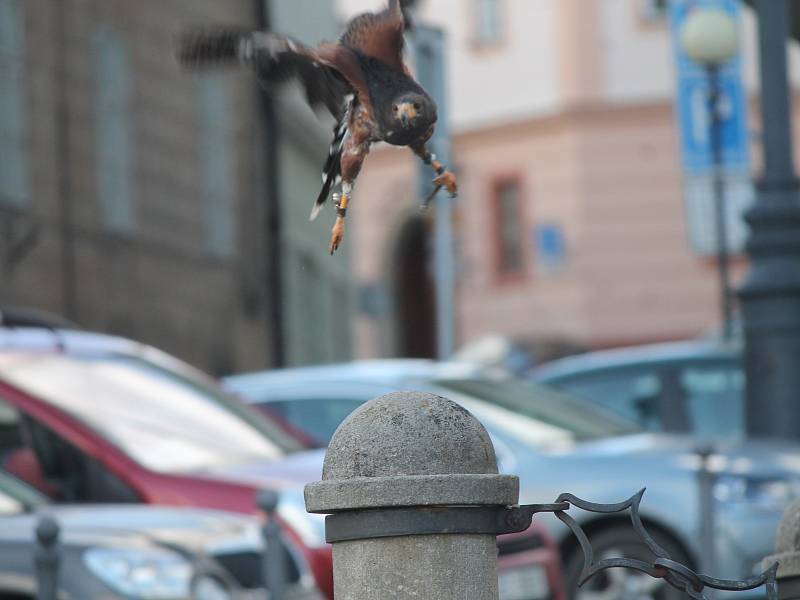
(448, 181)
(337, 233)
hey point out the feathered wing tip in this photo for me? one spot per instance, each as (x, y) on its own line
(211, 47)
(403, 8)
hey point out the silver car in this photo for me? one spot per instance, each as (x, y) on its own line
(129, 552)
(556, 443)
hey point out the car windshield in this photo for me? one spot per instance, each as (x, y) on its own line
(163, 419)
(577, 419)
(16, 497)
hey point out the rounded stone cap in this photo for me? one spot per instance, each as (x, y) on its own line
(410, 449)
(787, 548)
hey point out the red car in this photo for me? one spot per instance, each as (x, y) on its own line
(92, 418)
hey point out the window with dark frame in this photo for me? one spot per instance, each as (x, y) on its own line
(508, 216)
(14, 183)
(113, 131)
(654, 10)
(217, 169)
(488, 27)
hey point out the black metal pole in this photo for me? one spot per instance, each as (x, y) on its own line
(68, 261)
(707, 526)
(770, 295)
(46, 559)
(274, 564)
(272, 215)
(723, 263)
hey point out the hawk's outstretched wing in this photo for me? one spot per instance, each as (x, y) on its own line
(276, 59)
(333, 75)
(379, 35)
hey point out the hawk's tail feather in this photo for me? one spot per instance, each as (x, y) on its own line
(324, 193)
(331, 172)
(211, 47)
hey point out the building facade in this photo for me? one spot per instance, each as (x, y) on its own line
(136, 198)
(571, 222)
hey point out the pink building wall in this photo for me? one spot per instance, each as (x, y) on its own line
(609, 179)
(594, 149)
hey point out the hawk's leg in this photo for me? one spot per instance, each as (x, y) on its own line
(337, 233)
(355, 150)
(444, 178)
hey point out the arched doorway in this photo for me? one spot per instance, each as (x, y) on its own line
(414, 292)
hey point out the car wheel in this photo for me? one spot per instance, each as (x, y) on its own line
(617, 583)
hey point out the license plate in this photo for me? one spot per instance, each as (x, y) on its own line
(523, 583)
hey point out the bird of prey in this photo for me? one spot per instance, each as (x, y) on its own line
(361, 80)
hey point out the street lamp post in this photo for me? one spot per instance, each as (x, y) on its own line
(429, 50)
(711, 39)
(770, 295)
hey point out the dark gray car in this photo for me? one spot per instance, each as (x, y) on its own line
(679, 387)
(116, 552)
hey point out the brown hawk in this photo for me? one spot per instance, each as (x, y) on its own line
(361, 79)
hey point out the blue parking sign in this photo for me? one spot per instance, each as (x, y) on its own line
(692, 100)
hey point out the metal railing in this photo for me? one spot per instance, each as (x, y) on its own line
(662, 567)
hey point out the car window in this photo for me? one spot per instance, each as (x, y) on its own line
(9, 429)
(315, 418)
(714, 398)
(558, 412)
(158, 417)
(16, 497)
(631, 394)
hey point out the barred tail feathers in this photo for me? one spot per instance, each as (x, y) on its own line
(330, 181)
(331, 172)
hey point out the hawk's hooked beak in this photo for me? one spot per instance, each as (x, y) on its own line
(406, 112)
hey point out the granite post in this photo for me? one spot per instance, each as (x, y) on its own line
(787, 554)
(418, 451)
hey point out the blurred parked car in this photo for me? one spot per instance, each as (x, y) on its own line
(688, 386)
(137, 552)
(558, 443)
(92, 418)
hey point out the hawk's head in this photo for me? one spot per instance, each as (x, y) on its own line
(413, 114)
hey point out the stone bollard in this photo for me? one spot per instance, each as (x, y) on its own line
(787, 553)
(404, 480)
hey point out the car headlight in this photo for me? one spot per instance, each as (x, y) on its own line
(209, 588)
(767, 493)
(147, 574)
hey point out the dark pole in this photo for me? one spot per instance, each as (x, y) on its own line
(272, 212)
(705, 485)
(770, 295)
(46, 559)
(719, 202)
(62, 145)
(429, 46)
(274, 565)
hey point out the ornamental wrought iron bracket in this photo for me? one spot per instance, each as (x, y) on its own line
(368, 524)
